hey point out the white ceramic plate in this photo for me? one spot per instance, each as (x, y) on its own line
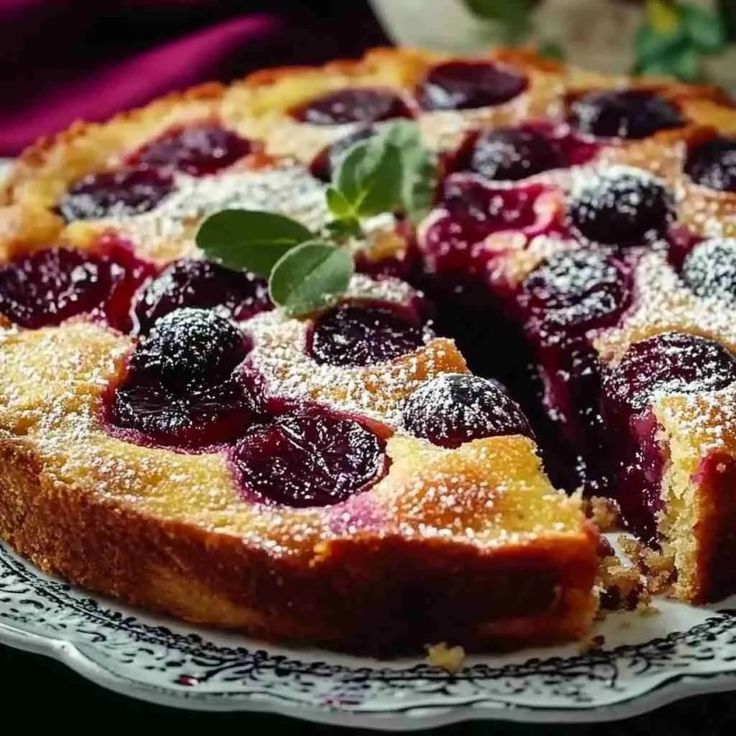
(646, 661)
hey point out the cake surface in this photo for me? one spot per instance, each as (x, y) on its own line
(341, 478)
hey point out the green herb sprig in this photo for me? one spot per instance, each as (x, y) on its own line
(674, 38)
(391, 172)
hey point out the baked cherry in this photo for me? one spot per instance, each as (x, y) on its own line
(203, 284)
(621, 206)
(710, 268)
(364, 334)
(712, 164)
(460, 85)
(454, 408)
(513, 154)
(309, 457)
(353, 105)
(185, 384)
(115, 194)
(629, 113)
(201, 416)
(195, 149)
(669, 362)
(191, 347)
(50, 286)
(471, 210)
(328, 159)
(578, 289)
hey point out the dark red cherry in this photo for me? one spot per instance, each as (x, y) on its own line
(629, 113)
(710, 268)
(191, 347)
(460, 85)
(471, 210)
(203, 284)
(578, 289)
(364, 105)
(328, 159)
(669, 362)
(115, 194)
(309, 457)
(185, 385)
(513, 154)
(712, 164)
(201, 416)
(484, 208)
(196, 149)
(364, 334)
(454, 408)
(50, 286)
(621, 206)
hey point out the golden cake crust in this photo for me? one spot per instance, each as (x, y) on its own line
(170, 531)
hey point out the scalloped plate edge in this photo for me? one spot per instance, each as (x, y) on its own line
(677, 687)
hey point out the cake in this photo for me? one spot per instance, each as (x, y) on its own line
(405, 463)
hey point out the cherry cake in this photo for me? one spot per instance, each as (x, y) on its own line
(408, 464)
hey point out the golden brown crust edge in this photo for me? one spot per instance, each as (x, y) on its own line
(367, 595)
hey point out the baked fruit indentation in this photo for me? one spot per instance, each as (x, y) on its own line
(354, 334)
(621, 206)
(712, 164)
(202, 284)
(119, 193)
(670, 362)
(575, 291)
(363, 105)
(463, 85)
(710, 268)
(455, 408)
(471, 209)
(512, 154)
(196, 150)
(55, 284)
(184, 386)
(630, 114)
(308, 457)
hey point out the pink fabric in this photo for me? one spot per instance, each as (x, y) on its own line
(69, 60)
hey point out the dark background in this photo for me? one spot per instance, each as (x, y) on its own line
(67, 59)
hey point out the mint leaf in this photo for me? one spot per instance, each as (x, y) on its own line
(369, 177)
(341, 230)
(338, 204)
(418, 167)
(394, 169)
(704, 28)
(309, 277)
(249, 239)
(651, 46)
(550, 49)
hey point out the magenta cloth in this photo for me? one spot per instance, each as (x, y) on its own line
(67, 60)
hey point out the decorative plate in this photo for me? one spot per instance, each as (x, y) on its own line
(645, 662)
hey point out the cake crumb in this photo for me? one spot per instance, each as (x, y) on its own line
(604, 513)
(593, 643)
(450, 659)
(621, 587)
(646, 608)
(657, 568)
